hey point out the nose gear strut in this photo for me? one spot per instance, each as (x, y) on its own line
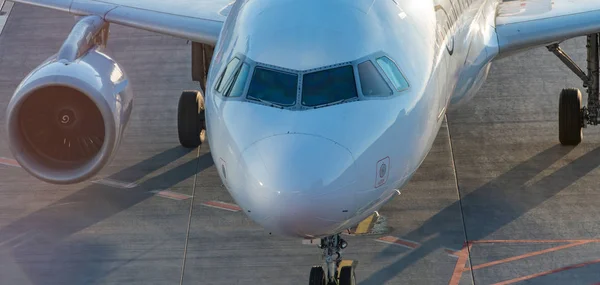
(332, 247)
(572, 117)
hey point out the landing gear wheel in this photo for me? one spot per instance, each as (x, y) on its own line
(347, 276)
(317, 276)
(190, 119)
(570, 123)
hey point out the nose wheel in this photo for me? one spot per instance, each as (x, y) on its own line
(347, 276)
(191, 121)
(332, 247)
(317, 276)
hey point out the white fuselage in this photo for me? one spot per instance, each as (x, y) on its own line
(314, 172)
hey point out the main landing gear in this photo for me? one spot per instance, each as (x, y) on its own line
(572, 117)
(191, 122)
(332, 247)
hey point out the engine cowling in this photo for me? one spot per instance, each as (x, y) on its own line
(66, 118)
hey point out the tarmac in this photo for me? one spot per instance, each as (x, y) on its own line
(497, 201)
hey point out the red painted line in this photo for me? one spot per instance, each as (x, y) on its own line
(9, 162)
(452, 252)
(512, 281)
(463, 255)
(398, 241)
(535, 241)
(222, 206)
(172, 195)
(530, 254)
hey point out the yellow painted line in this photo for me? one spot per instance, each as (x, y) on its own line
(346, 263)
(366, 225)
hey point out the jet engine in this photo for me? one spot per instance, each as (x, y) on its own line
(66, 118)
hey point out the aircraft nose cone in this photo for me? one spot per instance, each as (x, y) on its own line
(299, 185)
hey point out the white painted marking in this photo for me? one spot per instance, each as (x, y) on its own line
(5, 8)
(398, 241)
(14, 238)
(171, 195)
(222, 206)
(115, 183)
(452, 252)
(310, 241)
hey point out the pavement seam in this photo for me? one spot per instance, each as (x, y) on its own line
(187, 234)
(5, 9)
(462, 213)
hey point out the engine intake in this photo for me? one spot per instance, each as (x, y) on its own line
(61, 126)
(66, 118)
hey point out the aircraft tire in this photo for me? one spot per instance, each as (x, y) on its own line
(347, 276)
(570, 125)
(317, 276)
(190, 119)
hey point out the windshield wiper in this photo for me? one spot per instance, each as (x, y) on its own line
(266, 102)
(342, 101)
(335, 103)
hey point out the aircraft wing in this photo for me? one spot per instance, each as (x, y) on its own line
(196, 20)
(522, 24)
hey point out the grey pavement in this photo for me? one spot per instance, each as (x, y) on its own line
(496, 177)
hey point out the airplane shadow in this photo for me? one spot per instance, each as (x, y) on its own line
(493, 205)
(37, 242)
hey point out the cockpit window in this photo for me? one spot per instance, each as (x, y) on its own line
(371, 82)
(273, 86)
(229, 70)
(393, 73)
(328, 86)
(239, 83)
(363, 79)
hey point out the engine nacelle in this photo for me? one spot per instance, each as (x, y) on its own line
(66, 119)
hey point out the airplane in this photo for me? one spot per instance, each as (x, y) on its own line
(317, 112)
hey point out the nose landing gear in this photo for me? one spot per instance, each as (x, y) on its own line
(191, 121)
(332, 247)
(572, 117)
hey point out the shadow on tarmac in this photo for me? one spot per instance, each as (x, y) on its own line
(37, 242)
(502, 200)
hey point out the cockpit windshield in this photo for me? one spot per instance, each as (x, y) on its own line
(363, 79)
(371, 81)
(237, 89)
(328, 86)
(273, 86)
